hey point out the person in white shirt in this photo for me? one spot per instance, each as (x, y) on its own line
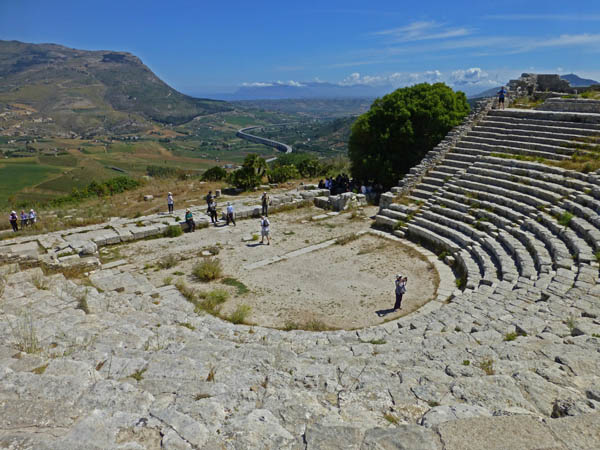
(170, 202)
(230, 214)
(32, 217)
(264, 230)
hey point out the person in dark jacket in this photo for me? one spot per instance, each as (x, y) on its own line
(13, 219)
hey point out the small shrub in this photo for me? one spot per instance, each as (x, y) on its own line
(309, 325)
(510, 336)
(81, 298)
(255, 237)
(173, 231)
(487, 365)
(39, 281)
(178, 273)
(139, 224)
(466, 362)
(207, 270)
(211, 375)
(138, 375)
(212, 301)
(167, 262)
(167, 280)
(460, 283)
(241, 287)
(40, 370)
(189, 293)
(433, 404)
(570, 323)
(343, 240)
(215, 173)
(25, 334)
(391, 418)
(187, 325)
(240, 314)
(377, 341)
(565, 219)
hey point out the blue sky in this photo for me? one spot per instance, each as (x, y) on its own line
(216, 46)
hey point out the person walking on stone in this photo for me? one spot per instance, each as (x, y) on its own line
(24, 219)
(12, 218)
(264, 230)
(189, 219)
(230, 214)
(265, 204)
(209, 198)
(400, 291)
(170, 202)
(212, 211)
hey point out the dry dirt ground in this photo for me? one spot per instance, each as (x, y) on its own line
(347, 286)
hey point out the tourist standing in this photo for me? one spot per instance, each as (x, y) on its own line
(264, 230)
(12, 218)
(230, 214)
(501, 94)
(189, 219)
(32, 217)
(209, 199)
(265, 204)
(24, 218)
(170, 202)
(212, 211)
(400, 291)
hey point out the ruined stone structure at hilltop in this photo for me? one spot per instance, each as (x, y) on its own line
(510, 360)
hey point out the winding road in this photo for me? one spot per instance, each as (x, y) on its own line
(243, 134)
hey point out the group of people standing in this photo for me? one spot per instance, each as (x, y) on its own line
(27, 219)
(342, 183)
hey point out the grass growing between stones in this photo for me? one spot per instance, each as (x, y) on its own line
(208, 270)
(239, 315)
(487, 365)
(391, 418)
(241, 287)
(343, 240)
(173, 231)
(138, 375)
(40, 370)
(167, 262)
(25, 335)
(308, 325)
(565, 219)
(39, 281)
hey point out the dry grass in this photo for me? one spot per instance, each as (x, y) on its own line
(208, 270)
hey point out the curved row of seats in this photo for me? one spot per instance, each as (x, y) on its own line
(504, 219)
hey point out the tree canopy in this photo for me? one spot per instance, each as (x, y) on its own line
(400, 128)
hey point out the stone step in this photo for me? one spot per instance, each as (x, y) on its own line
(480, 149)
(561, 134)
(524, 138)
(501, 143)
(540, 125)
(555, 116)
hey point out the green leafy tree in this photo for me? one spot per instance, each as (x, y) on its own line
(251, 173)
(400, 128)
(280, 174)
(215, 173)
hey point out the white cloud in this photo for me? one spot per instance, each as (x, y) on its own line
(257, 84)
(471, 80)
(421, 31)
(273, 83)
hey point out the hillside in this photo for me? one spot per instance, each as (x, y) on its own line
(60, 90)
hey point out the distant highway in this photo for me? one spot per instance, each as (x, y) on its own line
(242, 133)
